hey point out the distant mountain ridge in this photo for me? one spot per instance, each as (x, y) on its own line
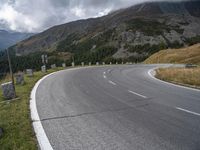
(135, 32)
(9, 38)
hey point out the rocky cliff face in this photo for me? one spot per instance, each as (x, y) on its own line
(136, 32)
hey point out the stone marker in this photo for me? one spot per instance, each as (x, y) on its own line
(90, 63)
(73, 64)
(53, 66)
(64, 65)
(97, 63)
(103, 63)
(8, 90)
(110, 63)
(44, 69)
(29, 72)
(1, 132)
(116, 63)
(82, 64)
(19, 78)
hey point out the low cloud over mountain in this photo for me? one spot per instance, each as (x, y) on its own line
(38, 15)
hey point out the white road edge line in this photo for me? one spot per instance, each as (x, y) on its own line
(111, 82)
(185, 110)
(42, 138)
(180, 86)
(137, 94)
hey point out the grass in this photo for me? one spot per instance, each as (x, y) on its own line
(183, 55)
(15, 117)
(184, 76)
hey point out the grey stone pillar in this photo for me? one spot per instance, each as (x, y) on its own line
(44, 69)
(53, 66)
(8, 90)
(19, 78)
(64, 65)
(29, 72)
(82, 64)
(73, 64)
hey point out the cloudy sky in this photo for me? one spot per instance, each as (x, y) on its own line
(38, 15)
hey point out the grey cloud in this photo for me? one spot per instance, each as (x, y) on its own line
(38, 15)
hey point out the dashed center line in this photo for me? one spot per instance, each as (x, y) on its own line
(185, 110)
(137, 94)
(111, 82)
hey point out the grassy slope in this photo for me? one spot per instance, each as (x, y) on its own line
(15, 117)
(183, 76)
(184, 55)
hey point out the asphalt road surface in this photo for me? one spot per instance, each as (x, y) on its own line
(117, 108)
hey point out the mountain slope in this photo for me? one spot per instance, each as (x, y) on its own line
(188, 55)
(7, 39)
(135, 32)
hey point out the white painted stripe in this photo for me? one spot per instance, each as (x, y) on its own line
(104, 77)
(37, 125)
(185, 110)
(104, 72)
(112, 82)
(180, 86)
(137, 94)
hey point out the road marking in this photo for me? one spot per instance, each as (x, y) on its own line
(112, 82)
(42, 138)
(104, 77)
(137, 94)
(104, 72)
(185, 110)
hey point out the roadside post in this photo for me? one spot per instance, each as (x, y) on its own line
(43, 69)
(19, 78)
(8, 88)
(73, 64)
(82, 64)
(44, 61)
(53, 66)
(64, 65)
(29, 72)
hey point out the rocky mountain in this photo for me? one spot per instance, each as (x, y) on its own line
(132, 33)
(8, 38)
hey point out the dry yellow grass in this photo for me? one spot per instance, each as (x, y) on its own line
(190, 77)
(184, 55)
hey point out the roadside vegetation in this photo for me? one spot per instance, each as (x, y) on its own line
(188, 55)
(15, 116)
(183, 76)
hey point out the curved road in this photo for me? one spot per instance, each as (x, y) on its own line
(117, 108)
